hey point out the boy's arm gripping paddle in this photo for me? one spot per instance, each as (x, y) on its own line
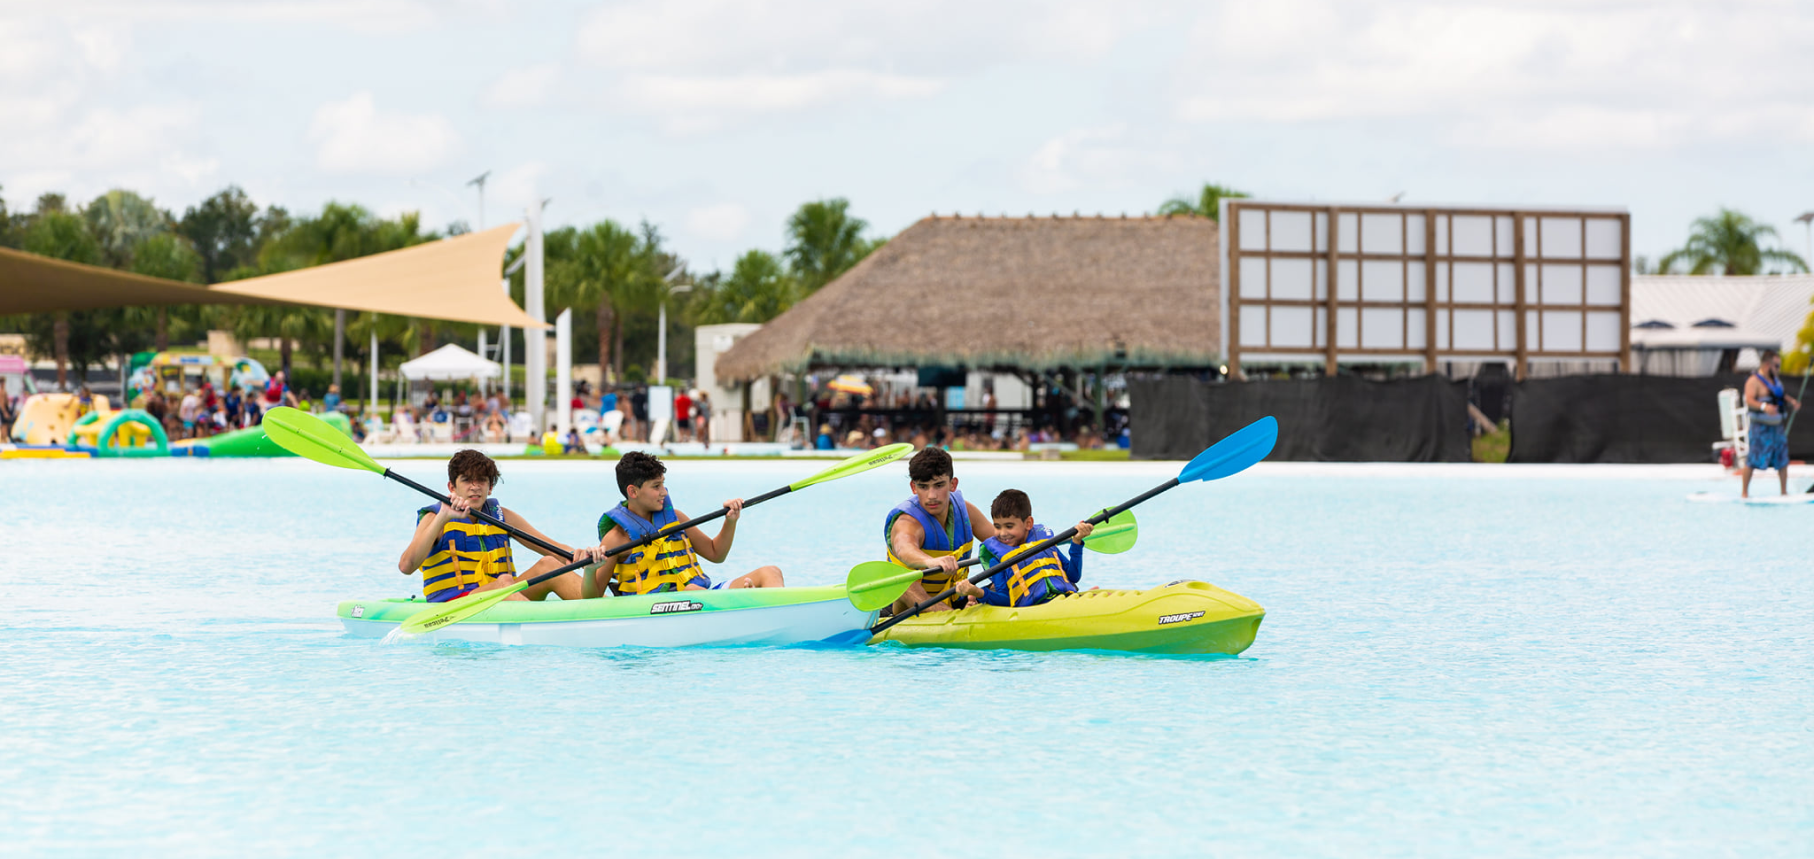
(1231, 455)
(466, 607)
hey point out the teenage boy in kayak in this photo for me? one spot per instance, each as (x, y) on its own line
(1033, 579)
(459, 555)
(933, 530)
(668, 563)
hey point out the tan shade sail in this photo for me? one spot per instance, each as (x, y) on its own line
(33, 284)
(456, 280)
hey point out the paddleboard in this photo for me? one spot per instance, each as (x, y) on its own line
(1771, 499)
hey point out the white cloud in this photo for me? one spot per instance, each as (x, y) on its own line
(691, 104)
(703, 64)
(508, 192)
(722, 222)
(1539, 75)
(526, 87)
(1097, 157)
(353, 136)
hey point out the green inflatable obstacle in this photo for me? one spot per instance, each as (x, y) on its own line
(127, 433)
(252, 441)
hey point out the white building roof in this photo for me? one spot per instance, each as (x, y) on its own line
(1764, 310)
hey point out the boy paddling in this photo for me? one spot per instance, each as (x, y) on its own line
(667, 563)
(1035, 578)
(460, 555)
(933, 530)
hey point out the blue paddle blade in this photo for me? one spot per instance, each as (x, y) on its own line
(1232, 455)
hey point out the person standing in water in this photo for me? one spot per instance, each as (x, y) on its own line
(1767, 405)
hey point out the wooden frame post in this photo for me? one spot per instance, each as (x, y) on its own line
(1330, 327)
(1522, 355)
(1233, 347)
(1429, 290)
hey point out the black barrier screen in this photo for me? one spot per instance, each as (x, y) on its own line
(1628, 419)
(1339, 419)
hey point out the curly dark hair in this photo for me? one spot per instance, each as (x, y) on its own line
(473, 466)
(929, 464)
(1012, 502)
(637, 468)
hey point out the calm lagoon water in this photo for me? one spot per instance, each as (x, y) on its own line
(1454, 662)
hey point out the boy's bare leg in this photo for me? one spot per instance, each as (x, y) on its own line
(567, 587)
(763, 577)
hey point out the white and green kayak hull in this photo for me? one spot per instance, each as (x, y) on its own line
(745, 616)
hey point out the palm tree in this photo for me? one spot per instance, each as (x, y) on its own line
(1207, 205)
(1727, 243)
(602, 267)
(757, 289)
(120, 220)
(824, 241)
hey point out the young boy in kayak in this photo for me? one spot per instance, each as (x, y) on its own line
(933, 530)
(460, 555)
(1035, 578)
(667, 563)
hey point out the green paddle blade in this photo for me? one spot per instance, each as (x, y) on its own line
(878, 583)
(458, 610)
(1115, 536)
(857, 464)
(310, 437)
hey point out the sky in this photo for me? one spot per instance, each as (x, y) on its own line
(715, 119)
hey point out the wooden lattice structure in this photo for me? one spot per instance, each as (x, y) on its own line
(1424, 282)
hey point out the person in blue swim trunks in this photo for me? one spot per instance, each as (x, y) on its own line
(1034, 578)
(667, 563)
(1767, 406)
(460, 555)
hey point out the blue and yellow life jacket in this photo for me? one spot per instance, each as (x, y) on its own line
(1034, 578)
(1776, 397)
(468, 553)
(659, 566)
(940, 540)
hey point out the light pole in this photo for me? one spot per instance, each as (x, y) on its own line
(661, 334)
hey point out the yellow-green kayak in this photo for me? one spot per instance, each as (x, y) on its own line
(1182, 617)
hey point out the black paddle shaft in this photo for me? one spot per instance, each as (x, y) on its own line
(682, 526)
(1036, 548)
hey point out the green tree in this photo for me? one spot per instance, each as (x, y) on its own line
(823, 241)
(120, 220)
(1208, 203)
(606, 269)
(1728, 243)
(74, 338)
(171, 257)
(757, 289)
(1799, 358)
(224, 229)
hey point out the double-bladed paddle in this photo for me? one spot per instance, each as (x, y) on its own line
(1230, 456)
(468, 606)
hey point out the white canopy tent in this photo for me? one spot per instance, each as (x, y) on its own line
(450, 362)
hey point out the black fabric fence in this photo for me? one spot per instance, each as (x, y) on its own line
(1339, 419)
(1611, 418)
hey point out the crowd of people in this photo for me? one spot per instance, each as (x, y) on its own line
(201, 410)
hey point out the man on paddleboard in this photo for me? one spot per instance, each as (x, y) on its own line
(934, 529)
(460, 555)
(1768, 406)
(667, 563)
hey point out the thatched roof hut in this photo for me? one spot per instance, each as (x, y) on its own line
(1008, 293)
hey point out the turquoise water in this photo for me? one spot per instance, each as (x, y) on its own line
(1453, 663)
